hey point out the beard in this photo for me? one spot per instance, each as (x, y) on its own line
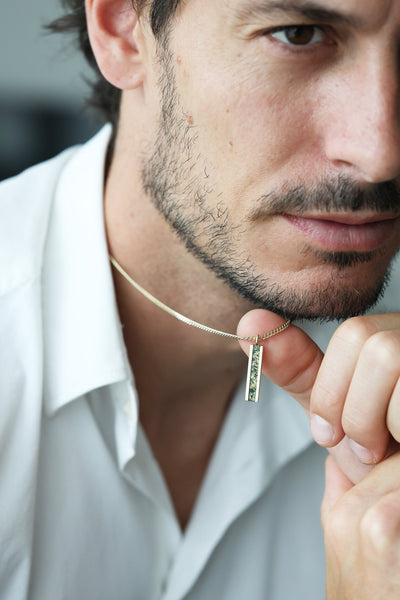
(170, 177)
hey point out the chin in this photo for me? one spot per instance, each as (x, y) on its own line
(335, 301)
(343, 285)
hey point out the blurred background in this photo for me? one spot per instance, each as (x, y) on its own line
(42, 87)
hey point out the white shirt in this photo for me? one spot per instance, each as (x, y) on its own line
(84, 510)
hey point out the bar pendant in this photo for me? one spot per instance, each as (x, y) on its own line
(254, 373)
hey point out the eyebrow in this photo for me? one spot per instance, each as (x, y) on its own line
(308, 9)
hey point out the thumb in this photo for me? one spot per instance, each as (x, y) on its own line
(291, 359)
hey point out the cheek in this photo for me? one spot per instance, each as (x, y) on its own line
(263, 123)
(250, 122)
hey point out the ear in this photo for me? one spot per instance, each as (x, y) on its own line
(117, 41)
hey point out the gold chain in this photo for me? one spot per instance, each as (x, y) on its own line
(177, 315)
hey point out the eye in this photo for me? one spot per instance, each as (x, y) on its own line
(298, 35)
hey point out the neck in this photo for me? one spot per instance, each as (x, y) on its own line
(188, 361)
(185, 377)
(149, 250)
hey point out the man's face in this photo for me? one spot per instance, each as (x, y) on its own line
(277, 157)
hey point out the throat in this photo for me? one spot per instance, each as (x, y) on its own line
(184, 470)
(183, 437)
(185, 379)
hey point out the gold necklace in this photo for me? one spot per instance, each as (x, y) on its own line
(256, 351)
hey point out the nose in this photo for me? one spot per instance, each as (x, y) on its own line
(363, 136)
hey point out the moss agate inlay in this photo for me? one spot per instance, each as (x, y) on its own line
(254, 373)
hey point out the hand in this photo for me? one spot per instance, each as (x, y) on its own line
(352, 394)
(362, 533)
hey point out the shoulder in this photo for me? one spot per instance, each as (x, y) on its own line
(25, 206)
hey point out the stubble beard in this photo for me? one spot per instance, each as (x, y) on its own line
(170, 178)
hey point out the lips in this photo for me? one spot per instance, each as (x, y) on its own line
(346, 232)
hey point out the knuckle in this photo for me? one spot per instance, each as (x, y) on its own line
(336, 524)
(356, 422)
(383, 350)
(356, 331)
(324, 399)
(379, 528)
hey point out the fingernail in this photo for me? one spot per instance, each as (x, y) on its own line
(363, 454)
(321, 430)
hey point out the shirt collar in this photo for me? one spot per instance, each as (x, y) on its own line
(83, 343)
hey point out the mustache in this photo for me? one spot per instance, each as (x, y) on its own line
(330, 196)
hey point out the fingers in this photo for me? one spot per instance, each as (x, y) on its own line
(357, 392)
(369, 395)
(362, 533)
(352, 394)
(291, 358)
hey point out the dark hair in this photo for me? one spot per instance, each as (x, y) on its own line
(104, 96)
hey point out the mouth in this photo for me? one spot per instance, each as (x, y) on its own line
(345, 232)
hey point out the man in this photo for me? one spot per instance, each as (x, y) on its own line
(253, 164)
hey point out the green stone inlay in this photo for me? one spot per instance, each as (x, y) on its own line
(254, 373)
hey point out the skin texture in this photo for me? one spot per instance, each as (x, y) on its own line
(210, 229)
(199, 169)
(233, 224)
